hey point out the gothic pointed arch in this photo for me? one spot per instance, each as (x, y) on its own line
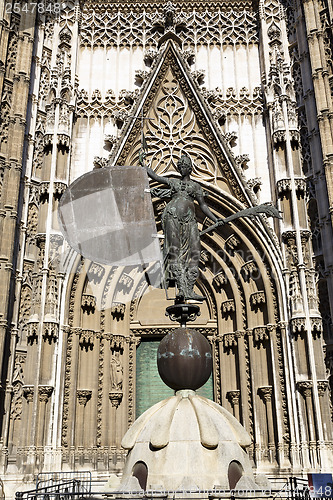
(177, 119)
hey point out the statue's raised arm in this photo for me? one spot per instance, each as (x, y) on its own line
(150, 171)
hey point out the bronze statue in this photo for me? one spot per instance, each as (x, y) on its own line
(181, 235)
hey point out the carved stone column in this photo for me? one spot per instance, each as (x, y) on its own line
(266, 394)
(305, 388)
(233, 397)
(240, 334)
(28, 393)
(133, 344)
(83, 397)
(322, 386)
(44, 393)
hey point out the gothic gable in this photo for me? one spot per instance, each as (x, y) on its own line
(177, 120)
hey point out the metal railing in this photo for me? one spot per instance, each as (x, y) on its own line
(77, 486)
(58, 486)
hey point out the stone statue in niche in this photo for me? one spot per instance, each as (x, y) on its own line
(181, 234)
(116, 372)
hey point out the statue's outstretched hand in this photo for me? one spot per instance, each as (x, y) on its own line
(220, 222)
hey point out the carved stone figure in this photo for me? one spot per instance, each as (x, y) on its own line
(182, 238)
(116, 373)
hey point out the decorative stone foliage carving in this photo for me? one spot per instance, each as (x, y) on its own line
(305, 387)
(88, 303)
(118, 310)
(254, 185)
(233, 397)
(232, 242)
(297, 325)
(44, 393)
(284, 185)
(204, 26)
(242, 161)
(32, 331)
(110, 142)
(229, 340)
(266, 393)
(231, 138)
(257, 298)
(126, 282)
(198, 76)
(17, 384)
(83, 396)
(316, 326)
(228, 307)
(5, 109)
(50, 331)
(115, 398)
(95, 272)
(86, 338)
(322, 387)
(28, 393)
(249, 269)
(220, 280)
(260, 334)
(100, 162)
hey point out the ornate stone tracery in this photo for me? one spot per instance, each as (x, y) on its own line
(204, 26)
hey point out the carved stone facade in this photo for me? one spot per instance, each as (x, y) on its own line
(246, 90)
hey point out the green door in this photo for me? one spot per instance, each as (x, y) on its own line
(149, 387)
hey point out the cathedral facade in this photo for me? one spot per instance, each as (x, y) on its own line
(245, 89)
